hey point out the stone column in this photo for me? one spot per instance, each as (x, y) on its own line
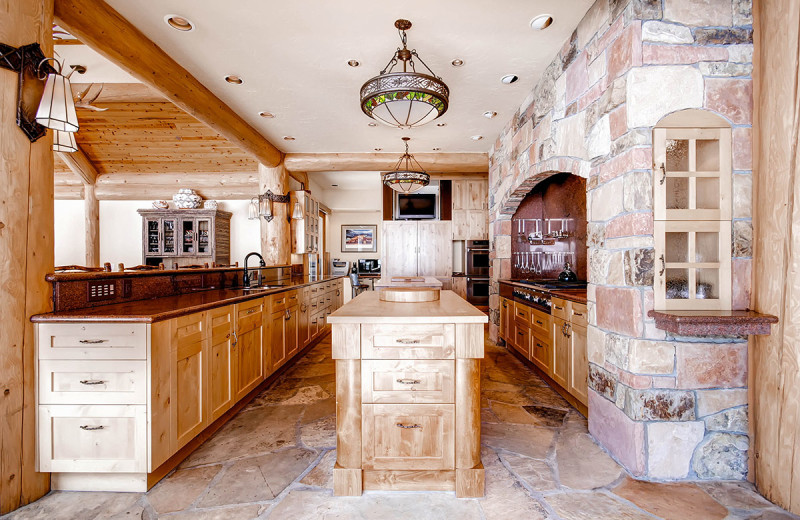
(276, 238)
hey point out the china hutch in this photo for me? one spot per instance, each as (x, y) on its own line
(185, 236)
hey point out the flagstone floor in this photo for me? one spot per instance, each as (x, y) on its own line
(274, 460)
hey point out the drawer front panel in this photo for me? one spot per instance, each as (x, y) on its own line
(408, 436)
(559, 308)
(278, 302)
(522, 312)
(542, 353)
(95, 438)
(92, 382)
(578, 314)
(407, 381)
(408, 341)
(249, 316)
(92, 340)
(540, 322)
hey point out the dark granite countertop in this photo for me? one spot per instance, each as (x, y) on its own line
(158, 309)
(713, 323)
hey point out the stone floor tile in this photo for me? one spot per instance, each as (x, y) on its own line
(71, 505)
(487, 416)
(238, 512)
(737, 495)
(595, 506)
(509, 413)
(524, 439)
(319, 434)
(517, 397)
(533, 472)
(546, 416)
(322, 474)
(582, 464)
(505, 498)
(773, 514)
(288, 395)
(671, 501)
(180, 489)
(258, 479)
(319, 409)
(546, 396)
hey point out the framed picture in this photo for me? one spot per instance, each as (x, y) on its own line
(359, 239)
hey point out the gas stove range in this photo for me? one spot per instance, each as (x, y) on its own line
(537, 295)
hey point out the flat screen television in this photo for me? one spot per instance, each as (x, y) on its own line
(416, 206)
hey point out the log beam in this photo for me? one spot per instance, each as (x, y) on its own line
(432, 162)
(112, 36)
(80, 165)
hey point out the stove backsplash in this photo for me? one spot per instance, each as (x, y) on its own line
(549, 229)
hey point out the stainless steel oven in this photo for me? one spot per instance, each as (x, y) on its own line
(476, 258)
(478, 290)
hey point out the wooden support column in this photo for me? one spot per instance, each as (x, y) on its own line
(276, 236)
(92, 206)
(26, 255)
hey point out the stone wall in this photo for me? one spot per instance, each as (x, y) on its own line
(665, 407)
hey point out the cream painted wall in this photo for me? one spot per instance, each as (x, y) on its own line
(348, 218)
(121, 231)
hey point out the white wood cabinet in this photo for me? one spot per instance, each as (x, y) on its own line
(421, 248)
(470, 210)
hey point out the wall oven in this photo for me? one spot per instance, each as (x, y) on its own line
(476, 258)
(478, 291)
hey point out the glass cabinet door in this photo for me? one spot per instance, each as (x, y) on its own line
(170, 232)
(693, 265)
(153, 236)
(692, 173)
(188, 237)
(203, 236)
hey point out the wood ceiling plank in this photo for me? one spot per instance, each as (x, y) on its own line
(107, 32)
(438, 162)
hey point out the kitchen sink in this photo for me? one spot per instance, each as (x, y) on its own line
(262, 287)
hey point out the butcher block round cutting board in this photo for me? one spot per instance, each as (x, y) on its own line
(409, 294)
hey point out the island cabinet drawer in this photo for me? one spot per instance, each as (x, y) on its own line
(407, 381)
(522, 312)
(408, 436)
(559, 308)
(578, 314)
(92, 438)
(92, 382)
(408, 341)
(92, 340)
(540, 322)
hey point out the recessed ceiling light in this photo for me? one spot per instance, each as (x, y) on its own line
(265, 114)
(288, 138)
(353, 63)
(378, 149)
(541, 22)
(334, 185)
(441, 124)
(509, 79)
(234, 80)
(489, 114)
(179, 22)
(372, 124)
(476, 137)
(436, 149)
(457, 62)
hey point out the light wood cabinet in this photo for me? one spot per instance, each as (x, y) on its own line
(470, 210)
(251, 362)
(692, 211)
(561, 359)
(222, 362)
(578, 383)
(417, 248)
(185, 236)
(284, 328)
(506, 320)
(189, 407)
(305, 231)
(460, 286)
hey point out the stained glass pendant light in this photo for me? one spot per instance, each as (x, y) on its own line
(404, 99)
(405, 178)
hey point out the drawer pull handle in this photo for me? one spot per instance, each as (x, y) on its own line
(407, 341)
(88, 428)
(409, 381)
(93, 341)
(408, 426)
(92, 382)
(250, 311)
(539, 323)
(577, 314)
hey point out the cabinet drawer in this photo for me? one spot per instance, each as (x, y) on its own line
(522, 312)
(407, 381)
(522, 338)
(540, 322)
(559, 308)
(542, 353)
(93, 438)
(578, 314)
(408, 341)
(292, 298)
(408, 436)
(92, 340)
(249, 315)
(92, 382)
(277, 302)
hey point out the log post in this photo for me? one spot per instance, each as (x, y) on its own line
(92, 206)
(26, 255)
(276, 238)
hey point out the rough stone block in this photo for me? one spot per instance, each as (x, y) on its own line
(607, 201)
(629, 225)
(620, 310)
(636, 137)
(725, 69)
(741, 279)
(595, 234)
(617, 433)
(701, 13)
(502, 246)
(616, 350)
(651, 357)
(733, 420)
(639, 267)
(711, 365)
(713, 401)
(742, 246)
(618, 121)
(577, 78)
(726, 36)
(598, 141)
(742, 148)
(569, 136)
(660, 405)
(615, 271)
(644, 109)
(626, 51)
(743, 196)
(670, 447)
(681, 54)
(730, 97)
(660, 32)
(721, 456)
(611, 98)
(638, 191)
(740, 53)
(602, 382)
(742, 12)
(597, 69)
(644, 10)
(595, 346)
(663, 382)
(595, 21)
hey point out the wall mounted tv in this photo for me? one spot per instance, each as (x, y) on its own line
(416, 206)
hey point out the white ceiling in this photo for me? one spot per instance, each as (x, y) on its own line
(293, 59)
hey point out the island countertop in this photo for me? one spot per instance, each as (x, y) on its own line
(408, 281)
(158, 309)
(368, 308)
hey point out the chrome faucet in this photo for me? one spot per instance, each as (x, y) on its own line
(246, 277)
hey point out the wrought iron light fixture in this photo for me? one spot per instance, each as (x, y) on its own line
(405, 178)
(404, 99)
(261, 206)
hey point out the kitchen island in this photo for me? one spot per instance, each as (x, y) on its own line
(408, 281)
(408, 395)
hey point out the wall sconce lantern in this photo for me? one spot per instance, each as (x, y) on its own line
(261, 206)
(57, 108)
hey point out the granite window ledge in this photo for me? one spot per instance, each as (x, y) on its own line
(713, 323)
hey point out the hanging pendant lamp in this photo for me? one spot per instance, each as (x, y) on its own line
(64, 142)
(57, 108)
(404, 99)
(404, 178)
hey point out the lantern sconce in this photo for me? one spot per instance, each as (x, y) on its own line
(261, 206)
